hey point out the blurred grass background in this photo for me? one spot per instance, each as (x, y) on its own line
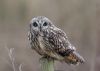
(80, 19)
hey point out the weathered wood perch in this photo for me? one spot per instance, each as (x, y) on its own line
(47, 64)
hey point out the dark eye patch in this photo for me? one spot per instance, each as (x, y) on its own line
(45, 24)
(35, 24)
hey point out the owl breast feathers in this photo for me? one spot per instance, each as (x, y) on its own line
(49, 41)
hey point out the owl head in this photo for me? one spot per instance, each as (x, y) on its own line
(40, 23)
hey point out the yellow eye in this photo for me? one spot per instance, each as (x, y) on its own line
(35, 24)
(45, 24)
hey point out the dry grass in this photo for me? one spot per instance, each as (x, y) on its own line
(13, 60)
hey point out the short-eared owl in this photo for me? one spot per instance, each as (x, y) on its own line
(50, 41)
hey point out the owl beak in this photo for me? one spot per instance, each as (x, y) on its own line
(40, 28)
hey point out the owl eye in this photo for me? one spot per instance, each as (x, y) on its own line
(35, 24)
(45, 24)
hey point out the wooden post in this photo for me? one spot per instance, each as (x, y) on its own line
(47, 64)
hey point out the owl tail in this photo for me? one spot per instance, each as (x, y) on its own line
(74, 58)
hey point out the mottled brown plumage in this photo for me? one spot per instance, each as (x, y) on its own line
(50, 41)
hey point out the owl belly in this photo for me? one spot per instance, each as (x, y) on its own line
(39, 46)
(40, 39)
(46, 51)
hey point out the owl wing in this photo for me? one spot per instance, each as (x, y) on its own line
(58, 42)
(30, 37)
